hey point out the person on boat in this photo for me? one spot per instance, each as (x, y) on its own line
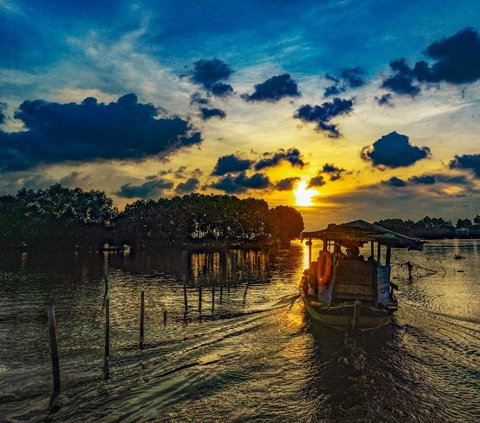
(353, 253)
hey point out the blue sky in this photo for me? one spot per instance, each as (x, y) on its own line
(63, 52)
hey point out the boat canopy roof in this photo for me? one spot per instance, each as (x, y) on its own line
(361, 231)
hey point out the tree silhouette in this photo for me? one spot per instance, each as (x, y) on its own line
(285, 223)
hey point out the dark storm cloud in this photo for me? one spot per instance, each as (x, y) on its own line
(197, 173)
(231, 163)
(332, 90)
(321, 115)
(428, 180)
(125, 129)
(212, 113)
(335, 89)
(334, 171)
(150, 189)
(286, 184)
(274, 89)
(354, 77)
(349, 78)
(422, 180)
(385, 100)
(256, 181)
(177, 173)
(241, 183)
(440, 178)
(395, 182)
(457, 59)
(221, 90)
(3, 117)
(403, 81)
(227, 184)
(467, 161)
(292, 155)
(453, 179)
(188, 186)
(394, 150)
(197, 98)
(209, 72)
(316, 181)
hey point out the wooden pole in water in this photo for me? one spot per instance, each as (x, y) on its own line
(221, 291)
(185, 298)
(142, 317)
(223, 271)
(106, 368)
(107, 328)
(199, 295)
(164, 317)
(213, 297)
(379, 253)
(410, 267)
(52, 329)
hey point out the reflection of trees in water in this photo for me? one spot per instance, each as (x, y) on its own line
(79, 266)
(208, 267)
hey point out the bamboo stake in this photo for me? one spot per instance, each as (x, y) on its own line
(199, 295)
(142, 318)
(106, 368)
(52, 329)
(107, 328)
(213, 297)
(185, 298)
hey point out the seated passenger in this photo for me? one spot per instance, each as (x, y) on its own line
(352, 253)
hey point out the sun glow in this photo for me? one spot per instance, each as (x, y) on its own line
(304, 195)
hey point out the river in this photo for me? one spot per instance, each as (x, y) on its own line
(249, 353)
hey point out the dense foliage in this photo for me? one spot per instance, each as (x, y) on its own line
(285, 223)
(434, 227)
(56, 216)
(60, 217)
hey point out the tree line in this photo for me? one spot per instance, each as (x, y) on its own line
(434, 227)
(60, 217)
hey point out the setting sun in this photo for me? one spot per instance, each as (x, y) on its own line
(304, 195)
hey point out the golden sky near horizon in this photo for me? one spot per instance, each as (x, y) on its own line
(327, 94)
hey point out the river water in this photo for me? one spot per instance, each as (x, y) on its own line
(249, 354)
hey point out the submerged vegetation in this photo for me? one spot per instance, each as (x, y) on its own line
(60, 217)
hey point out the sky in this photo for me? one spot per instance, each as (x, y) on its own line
(343, 109)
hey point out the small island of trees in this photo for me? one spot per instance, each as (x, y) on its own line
(434, 227)
(63, 218)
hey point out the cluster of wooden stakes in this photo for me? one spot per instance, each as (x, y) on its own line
(106, 302)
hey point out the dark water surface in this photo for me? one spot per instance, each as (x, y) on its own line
(249, 355)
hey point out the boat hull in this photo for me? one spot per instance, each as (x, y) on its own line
(346, 316)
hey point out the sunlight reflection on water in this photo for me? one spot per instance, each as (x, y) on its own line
(248, 354)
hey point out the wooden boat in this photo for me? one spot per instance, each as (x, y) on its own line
(345, 291)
